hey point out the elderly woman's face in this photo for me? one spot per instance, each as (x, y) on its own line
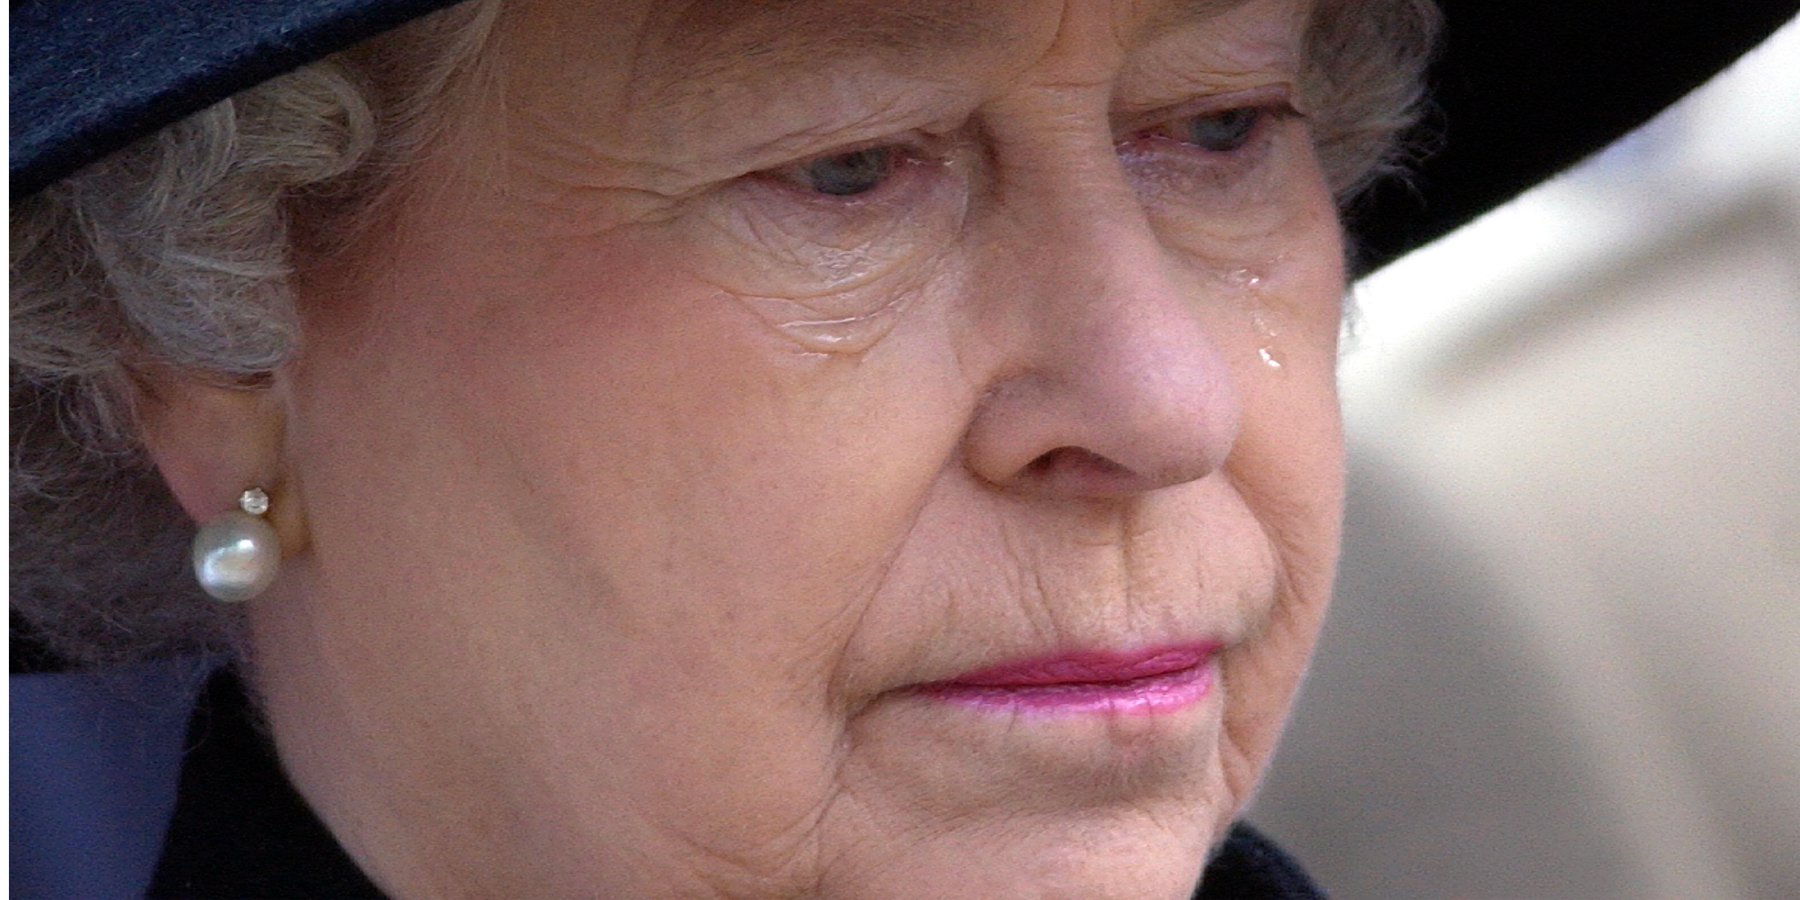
(858, 448)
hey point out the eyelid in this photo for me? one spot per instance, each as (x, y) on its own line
(918, 152)
(781, 180)
(913, 146)
(1276, 98)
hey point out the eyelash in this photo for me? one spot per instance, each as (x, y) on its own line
(906, 160)
(1266, 118)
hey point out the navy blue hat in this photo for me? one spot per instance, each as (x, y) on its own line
(1526, 87)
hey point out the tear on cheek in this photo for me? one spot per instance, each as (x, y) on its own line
(832, 300)
(831, 328)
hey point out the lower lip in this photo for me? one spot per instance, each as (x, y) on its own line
(1176, 680)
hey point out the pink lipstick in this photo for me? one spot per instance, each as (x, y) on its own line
(1147, 682)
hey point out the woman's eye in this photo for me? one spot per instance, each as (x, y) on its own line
(846, 174)
(1221, 132)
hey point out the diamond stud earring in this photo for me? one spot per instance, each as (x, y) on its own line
(236, 555)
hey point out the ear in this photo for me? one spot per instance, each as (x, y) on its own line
(212, 442)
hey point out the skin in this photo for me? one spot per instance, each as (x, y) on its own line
(630, 487)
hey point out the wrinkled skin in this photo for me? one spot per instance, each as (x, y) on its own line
(644, 478)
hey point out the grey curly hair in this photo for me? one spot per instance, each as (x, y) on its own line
(174, 253)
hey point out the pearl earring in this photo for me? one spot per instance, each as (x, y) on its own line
(235, 555)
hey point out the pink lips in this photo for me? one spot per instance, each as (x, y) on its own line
(1147, 682)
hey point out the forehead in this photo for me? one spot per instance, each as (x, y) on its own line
(706, 38)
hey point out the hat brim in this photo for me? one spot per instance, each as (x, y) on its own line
(1527, 88)
(88, 78)
(1524, 89)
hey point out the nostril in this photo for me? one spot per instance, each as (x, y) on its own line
(1074, 461)
(1079, 472)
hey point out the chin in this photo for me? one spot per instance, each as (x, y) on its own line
(1146, 848)
(1087, 857)
(1157, 860)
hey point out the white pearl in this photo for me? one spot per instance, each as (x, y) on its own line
(235, 557)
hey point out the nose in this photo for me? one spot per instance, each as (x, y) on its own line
(1109, 382)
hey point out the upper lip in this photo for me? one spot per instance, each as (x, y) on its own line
(1089, 667)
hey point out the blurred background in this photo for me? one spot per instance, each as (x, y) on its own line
(1565, 656)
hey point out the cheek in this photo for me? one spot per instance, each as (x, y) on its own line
(616, 423)
(665, 409)
(614, 491)
(1288, 465)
